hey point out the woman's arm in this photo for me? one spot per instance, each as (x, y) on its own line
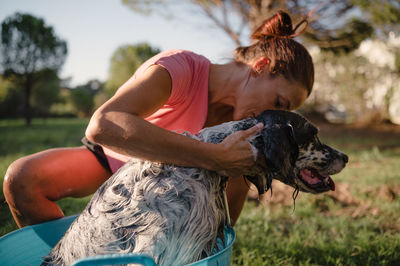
(119, 125)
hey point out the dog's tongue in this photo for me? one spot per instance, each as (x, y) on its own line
(327, 180)
(312, 177)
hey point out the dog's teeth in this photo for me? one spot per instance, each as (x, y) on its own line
(326, 180)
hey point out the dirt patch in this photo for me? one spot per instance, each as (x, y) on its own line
(361, 208)
(385, 192)
(280, 194)
(350, 205)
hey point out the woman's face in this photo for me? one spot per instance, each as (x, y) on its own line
(265, 92)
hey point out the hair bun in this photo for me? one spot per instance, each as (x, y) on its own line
(279, 25)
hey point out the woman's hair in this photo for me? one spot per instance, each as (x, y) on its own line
(274, 40)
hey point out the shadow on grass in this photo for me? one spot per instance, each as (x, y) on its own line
(6, 219)
(373, 253)
(309, 241)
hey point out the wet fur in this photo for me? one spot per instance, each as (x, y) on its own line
(174, 213)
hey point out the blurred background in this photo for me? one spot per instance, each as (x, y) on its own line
(60, 60)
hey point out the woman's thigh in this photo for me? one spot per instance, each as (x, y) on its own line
(59, 173)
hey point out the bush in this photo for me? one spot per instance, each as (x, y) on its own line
(362, 82)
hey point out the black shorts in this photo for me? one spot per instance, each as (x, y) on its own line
(97, 151)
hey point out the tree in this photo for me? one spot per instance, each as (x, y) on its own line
(338, 25)
(82, 97)
(82, 100)
(10, 99)
(29, 46)
(46, 91)
(124, 62)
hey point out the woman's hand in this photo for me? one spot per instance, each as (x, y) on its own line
(235, 155)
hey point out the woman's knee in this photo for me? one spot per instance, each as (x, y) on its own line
(20, 181)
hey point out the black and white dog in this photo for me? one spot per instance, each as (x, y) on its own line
(174, 214)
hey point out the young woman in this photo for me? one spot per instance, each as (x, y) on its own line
(173, 91)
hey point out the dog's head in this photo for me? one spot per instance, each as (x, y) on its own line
(290, 151)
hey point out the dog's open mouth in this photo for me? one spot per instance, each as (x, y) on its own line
(316, 181)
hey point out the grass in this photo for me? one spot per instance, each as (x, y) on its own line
(357, 225)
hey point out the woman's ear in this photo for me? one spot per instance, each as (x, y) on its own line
(260, 64)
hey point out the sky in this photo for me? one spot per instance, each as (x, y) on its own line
(94, 29)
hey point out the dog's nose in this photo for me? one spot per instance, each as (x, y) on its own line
(345, 158)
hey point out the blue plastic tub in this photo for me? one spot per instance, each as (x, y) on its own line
(28, 245)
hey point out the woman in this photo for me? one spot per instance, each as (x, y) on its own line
(175, 90)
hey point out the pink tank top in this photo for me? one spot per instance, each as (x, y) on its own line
(187, 106)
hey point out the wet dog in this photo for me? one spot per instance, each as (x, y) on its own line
(174, 214)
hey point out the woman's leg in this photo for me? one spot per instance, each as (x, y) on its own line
(33, 183)
(236, 193)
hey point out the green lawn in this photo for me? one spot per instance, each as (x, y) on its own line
(357, 225)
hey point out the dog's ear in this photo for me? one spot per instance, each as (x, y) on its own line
(280, 148)
(261, 181)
